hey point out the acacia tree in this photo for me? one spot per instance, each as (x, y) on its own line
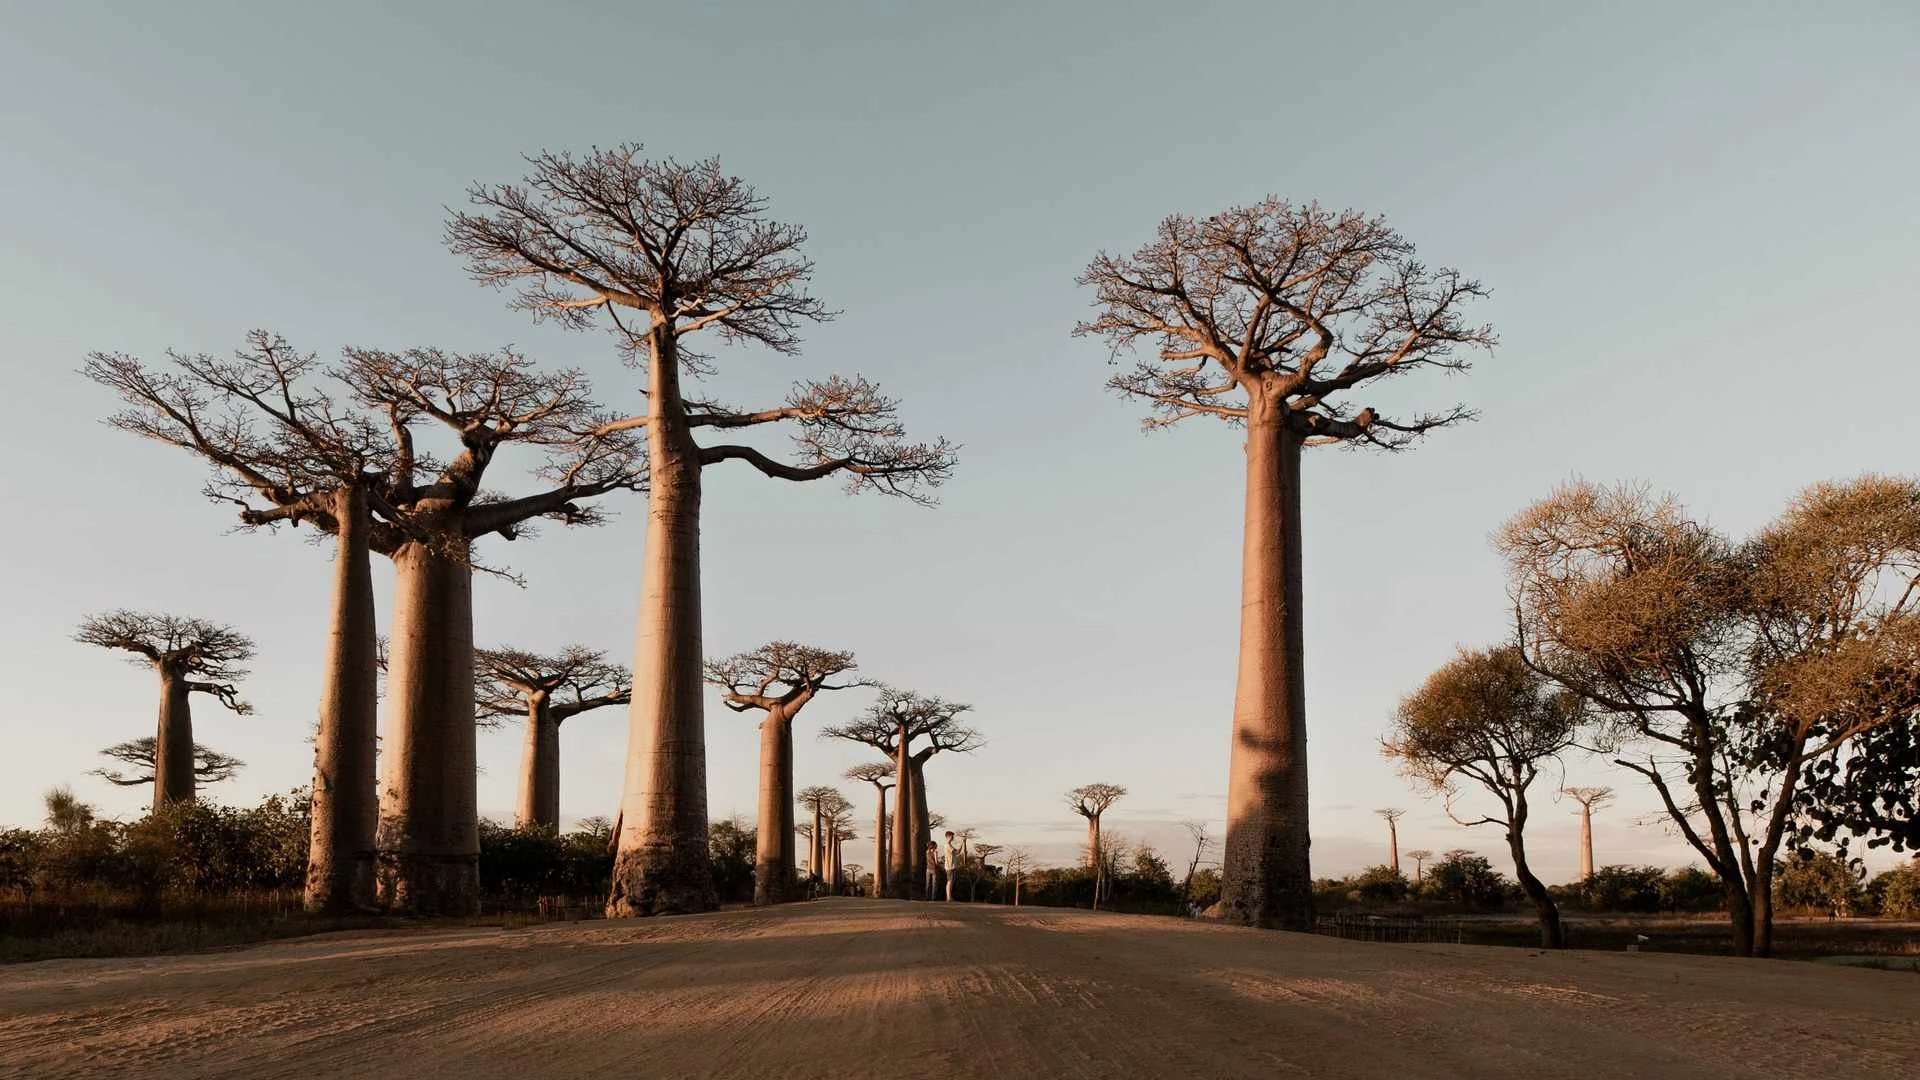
(778, 679)
(314, 462)
(1090, 801)
(1268, 317)
(1392, 816)
(897, 722)
(428, 838)
(1590, 799)
(191, 656)
(683, 249)
(880, 775)
(1488, 718)
(547, 690)
(209, 766)
(1419, 857)
(1733, 670)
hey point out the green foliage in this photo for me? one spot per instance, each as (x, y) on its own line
(1203, 888)
(518, 866)
(1819, 880)
(1466, 879)
(1691, 889)
(1896, 893)
(1623, 889)
(1378, 885)
(730, 845)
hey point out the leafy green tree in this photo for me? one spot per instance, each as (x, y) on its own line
(730, 848)
(1897, 891)
(1689, 889)
(1461, 877)
(1379, 884)
(1623, 889)
(1821, 880)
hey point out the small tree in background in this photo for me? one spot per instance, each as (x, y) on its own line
(547, 690)
(1091, 801)
(1419, 857)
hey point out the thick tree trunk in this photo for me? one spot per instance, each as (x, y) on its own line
(540, 768)
(346, 807)
(1393, 846)
(1266, 879)
(1740, 912)
(922, 830)
(834, 864)
(663, 864)
(879, 840)
(773, 853)
(429, 839)
(903, 880)
(1552, 936)
(817, 843)
(173, 780)
(1586, 841)
(1093, 857)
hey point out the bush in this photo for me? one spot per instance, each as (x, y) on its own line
(1466, 879)
(730, 846)
(1897, 891)
(1627, 889)
(1691, 889)
(1818, 880)
(1379, 885)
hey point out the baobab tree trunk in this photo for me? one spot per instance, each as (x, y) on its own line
(833, 863)
(880, 841)
(773, 869)
(429, 839)
(1093, 841)
(1266, 879)
(817, 842)
(340, 852)
(663, 865)
(922, 825)
(173, 780)
(903, 880)
(540, 767)
(1586, 841)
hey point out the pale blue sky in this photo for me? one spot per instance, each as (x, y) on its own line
(1698, 221)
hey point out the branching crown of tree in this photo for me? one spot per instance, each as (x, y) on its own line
(1092, 800)
(877, 773)
(573, 681)
(930, 721)
(209, 766)
(1288, 305)
(779, 673)
(180, 646)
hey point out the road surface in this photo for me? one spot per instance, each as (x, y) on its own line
(856, 988)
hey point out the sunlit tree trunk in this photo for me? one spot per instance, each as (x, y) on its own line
(774, 872)
(879, 841)
(922, 827)
(1586, 841)
(340, 852)
(903, 878)
(540, 767)
(173, 780)
(662, 865)
(1266, 879)
(817, 846)
(429, 841)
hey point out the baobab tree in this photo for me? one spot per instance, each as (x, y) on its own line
(1090, 801)
(682, 249)
(1487, 717)
(1590, 799)
(312, 461)
(778, 679)
(820, 801)
(1269, 317)
(547, 690)
(1419, 857)
(1392, 815)
(981, 853)
(910, 728)
(880, 775)
(1733, 671)
(191, 656)
(428, 838)
(209, 766)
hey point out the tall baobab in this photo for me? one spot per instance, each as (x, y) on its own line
(209, 766)
(897, 722)
(1090, 801)
(191, 656)
(821, 802)
(1590, 799)
(880, 775)
(428, 839)
(1267, 316)
(1487, 717)
(1419, 857)
(682, 249)
(546, 690)
(314, 462)
(1392, 815)
(778, 679)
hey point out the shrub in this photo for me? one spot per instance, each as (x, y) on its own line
(1819, 880)
(1898, 891)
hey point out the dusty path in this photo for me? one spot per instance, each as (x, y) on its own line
(854, 988)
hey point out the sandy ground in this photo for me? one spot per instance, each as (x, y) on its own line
(855, 988)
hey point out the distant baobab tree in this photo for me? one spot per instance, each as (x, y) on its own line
(682, 249)
(880, 775)
(191, 656)
(910, 728)
(777, 679)
(1488, 717)
(981, 853)
(1590, 799)
(428, 839)
(1392, 816)
(1090, 801)
(1268, 317)
(1419, 857)
(547, 690)
(287, 452)
(825, 804)
(209, 766)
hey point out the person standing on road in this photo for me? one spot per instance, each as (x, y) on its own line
(933, 868)
(956, 856)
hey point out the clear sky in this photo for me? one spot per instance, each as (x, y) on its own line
(1698, 222)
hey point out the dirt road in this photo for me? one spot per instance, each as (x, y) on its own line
(854, 988)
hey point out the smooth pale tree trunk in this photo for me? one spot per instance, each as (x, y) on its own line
(173, 779)
(662, 865)
(903, 880)
(879, 840)
(1265, 877)
(834, 864)
(429, 839)
(1393, 846)
(346, 808)
(1093, 856)
(773, 855)
(817, 844)
(922, 829)
(540, 767)
(1586, 841)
